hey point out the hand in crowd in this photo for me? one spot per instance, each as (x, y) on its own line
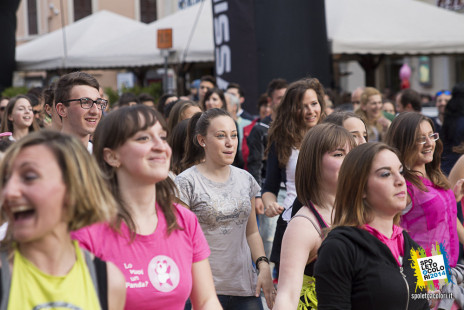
(273, 209)
(433, 302)
(459, 190)
(259, 205)
(384, 122)
(265, 283)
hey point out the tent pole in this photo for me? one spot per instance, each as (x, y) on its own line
(165, 75)
(370, 63)
(65, 48)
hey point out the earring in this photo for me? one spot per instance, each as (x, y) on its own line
(203, 145)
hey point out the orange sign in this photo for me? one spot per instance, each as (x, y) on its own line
(164, 38)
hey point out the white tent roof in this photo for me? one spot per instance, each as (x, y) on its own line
(47, 51)
(122, 42)
(393, 27)
(139, 48)
(354, 27)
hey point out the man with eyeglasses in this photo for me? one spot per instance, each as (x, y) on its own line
(79, 105)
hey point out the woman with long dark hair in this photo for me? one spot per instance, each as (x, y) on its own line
(223, 198)
(157, 244)
(301, 108)
(431, 215)
(18, 118)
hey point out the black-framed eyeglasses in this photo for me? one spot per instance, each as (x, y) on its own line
(433, 137)
(87, 103)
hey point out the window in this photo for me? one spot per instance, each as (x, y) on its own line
(147, 11)
(32, 17)
(82, 8)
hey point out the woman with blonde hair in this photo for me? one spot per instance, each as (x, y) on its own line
(51, 186)
(365, 260)
(316, 184)
(371, 111)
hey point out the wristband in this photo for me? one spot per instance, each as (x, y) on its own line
(260, 259)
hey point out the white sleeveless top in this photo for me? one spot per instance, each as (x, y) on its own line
(290, 185)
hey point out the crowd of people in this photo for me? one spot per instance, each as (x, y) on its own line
(193, 202)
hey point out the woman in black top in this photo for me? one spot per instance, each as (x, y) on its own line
(316, 184)
(364, 263)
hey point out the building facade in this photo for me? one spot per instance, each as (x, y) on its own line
(39, 17)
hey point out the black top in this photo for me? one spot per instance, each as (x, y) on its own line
(246, 115)
(355, 270)
(257, 142)
(274, 174)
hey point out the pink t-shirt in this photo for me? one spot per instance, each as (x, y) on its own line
(432, 218)
(157, 267)
(395, 243)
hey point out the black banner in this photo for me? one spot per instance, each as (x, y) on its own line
(260, 40)
(235, 48)
(292, 41)
(8, 10)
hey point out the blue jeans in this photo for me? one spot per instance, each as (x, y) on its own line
(240, 302)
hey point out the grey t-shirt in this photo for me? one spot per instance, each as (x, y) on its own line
(223, 210)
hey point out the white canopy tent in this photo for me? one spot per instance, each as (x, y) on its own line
(139, 48)
(49, 52)
(393, 27)
(354, 27)
(121, 44)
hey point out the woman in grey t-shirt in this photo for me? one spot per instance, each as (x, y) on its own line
(222, 197)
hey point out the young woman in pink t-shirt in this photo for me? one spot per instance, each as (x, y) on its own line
(158, 245)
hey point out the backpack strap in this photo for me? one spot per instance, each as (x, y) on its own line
(98, 273)
(102, 279)
(97, 270)
(91, 267)
(5, 280)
